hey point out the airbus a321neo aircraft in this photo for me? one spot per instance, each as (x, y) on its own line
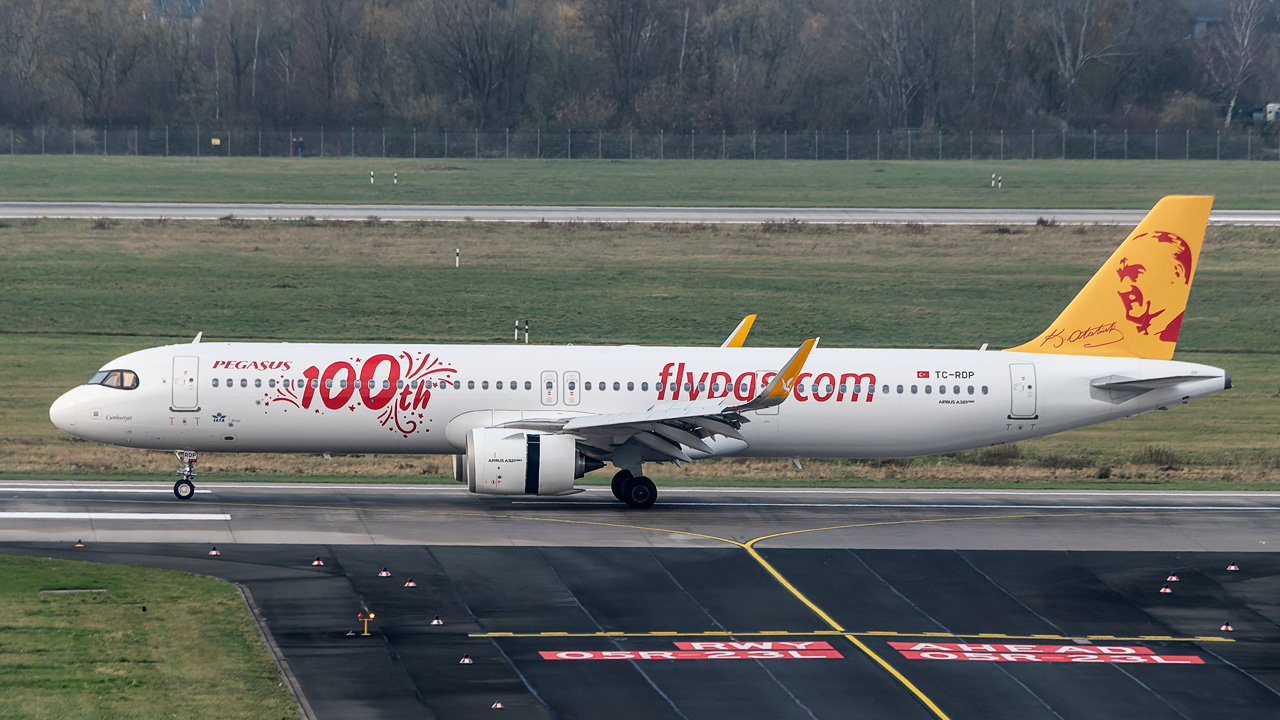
(530, 420)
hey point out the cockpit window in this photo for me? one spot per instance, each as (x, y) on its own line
(119, 379)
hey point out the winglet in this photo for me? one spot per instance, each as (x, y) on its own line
(739, 334)
(779, 388)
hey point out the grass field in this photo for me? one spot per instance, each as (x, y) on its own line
(193, 653)
(1027, 184)
(74, 294)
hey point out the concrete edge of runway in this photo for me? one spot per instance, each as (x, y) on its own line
(277, 655)
(620, 214)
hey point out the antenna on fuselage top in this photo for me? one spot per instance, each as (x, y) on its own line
(198, 336)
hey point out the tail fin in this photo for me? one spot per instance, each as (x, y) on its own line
(1133, 306)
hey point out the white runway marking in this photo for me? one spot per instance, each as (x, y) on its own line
(956, 506)
(37, 515)
(92, 489)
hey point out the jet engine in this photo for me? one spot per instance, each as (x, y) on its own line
(517, 462)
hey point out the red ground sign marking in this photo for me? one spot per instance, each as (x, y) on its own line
(1005, 652)
(708, 651)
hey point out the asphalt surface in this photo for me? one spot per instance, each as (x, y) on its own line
(617, 214)
(536, 593)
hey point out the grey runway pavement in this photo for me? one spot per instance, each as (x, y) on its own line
(721, 603)
(525, 214)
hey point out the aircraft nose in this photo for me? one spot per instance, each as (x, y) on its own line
(62, 412)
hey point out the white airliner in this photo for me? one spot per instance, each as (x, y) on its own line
(530, 420)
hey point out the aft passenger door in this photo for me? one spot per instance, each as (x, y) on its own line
(186, 384)
(1022, 379)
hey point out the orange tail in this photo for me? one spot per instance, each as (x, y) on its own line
(1133, 306)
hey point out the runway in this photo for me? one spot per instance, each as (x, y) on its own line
(612, 214)
(714, 603)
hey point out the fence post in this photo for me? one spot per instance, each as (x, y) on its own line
(1001, 145)
(631, 145)
(1249, 147)
(353, 143)
(135, 141)
(508, 150)
(477, 144)
(662, 144)
(322, 141)
(599, 144)
(384, 142)
(877, 145)
(570, 143)
(724, 145)
(539, 143)
(1033, 143)
(446, 142)
(1064, 143)
(970, 144)
(1219, 150)
(1095, 143)
(939, 144)
(197, 141)
(415, 143)
(815, 144)
(908, 145)
(753, 145)
(784, 144)
(228, 142)
(104, 142)
(1157, 143)
(260, 143)
(73, 141)
(1188, 150)
(846, 144)
(166, 141)
(1126, 143)
(691, 145)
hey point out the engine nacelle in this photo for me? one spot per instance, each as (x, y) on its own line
(518, 462)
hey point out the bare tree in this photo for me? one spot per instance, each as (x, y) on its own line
(1232, 53)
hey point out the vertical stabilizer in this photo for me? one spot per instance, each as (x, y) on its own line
(1133, 306)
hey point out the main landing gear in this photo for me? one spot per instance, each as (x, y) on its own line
(184, 489)
(637, 491)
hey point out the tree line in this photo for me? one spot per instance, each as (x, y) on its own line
(681, 65)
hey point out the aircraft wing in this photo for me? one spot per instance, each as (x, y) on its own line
(668, 427)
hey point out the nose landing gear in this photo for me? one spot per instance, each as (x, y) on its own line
(184, 489)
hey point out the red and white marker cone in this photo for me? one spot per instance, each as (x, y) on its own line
(317, 562)
(466, 659)
(1233, 567)
(1171, 578)
(497, 706)
(1226, 626)
(79, 543)
(351, 633)
(437, 621)
(214, 552)
(411, 583)
(385, 573)
(1165, 590)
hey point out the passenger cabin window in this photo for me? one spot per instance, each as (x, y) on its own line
(586, 385)
(271, 383)
(644, 386)
(471, 384)
(215, 382)
(984, 389)
(928, 389)
(529, 385)
(631, 386)
(899, 389)
(484, 385)
(617, 386)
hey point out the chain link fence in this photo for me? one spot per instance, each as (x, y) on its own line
(1243, 144)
